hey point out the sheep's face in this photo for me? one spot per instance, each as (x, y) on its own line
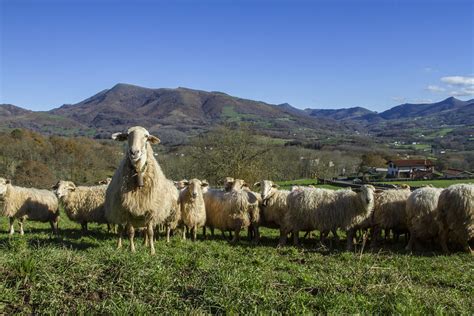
(105, 182)
(3, 187)
(367, 195)
(239, 184)
(266, 188)
(195, 187)
(62, 188)
(138, 139)
(228, 183)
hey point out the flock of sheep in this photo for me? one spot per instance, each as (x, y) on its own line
(140, 197)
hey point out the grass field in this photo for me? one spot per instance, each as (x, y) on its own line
(85, 274)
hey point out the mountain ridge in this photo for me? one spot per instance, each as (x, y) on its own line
(186, 112)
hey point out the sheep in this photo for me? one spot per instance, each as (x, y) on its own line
(254, 200)
(274, 203)
(421, 212)
(456, 215)
(389, 211)
(82, 204)
(227, 211)
(139, 194)
(181, 184)
(193, 209)
(28, 203)
(326, 210)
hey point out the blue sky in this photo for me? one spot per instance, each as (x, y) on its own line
(319, 54)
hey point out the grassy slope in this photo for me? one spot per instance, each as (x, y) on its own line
(78, 273)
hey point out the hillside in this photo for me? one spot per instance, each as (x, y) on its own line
(185, 110)
(179, 113)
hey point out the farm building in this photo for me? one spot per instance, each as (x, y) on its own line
(410, 169)
(457, 173)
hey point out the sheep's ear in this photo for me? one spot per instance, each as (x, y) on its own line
(120, 136)
(378, 191)
(204, 183)
(245, 184)
(186, 182)
(274, 185)
(153, 139)
(55, 187)
(8, 181)
(256, 184)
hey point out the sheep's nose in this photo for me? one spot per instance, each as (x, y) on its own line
(194, 194)
(134, 152)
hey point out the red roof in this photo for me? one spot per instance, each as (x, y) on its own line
(412, 162)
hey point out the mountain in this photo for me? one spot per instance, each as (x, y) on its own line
(176, 114)
(184, 110)
(450, 111)
(409, 110)
(9, 110)
(340, 114)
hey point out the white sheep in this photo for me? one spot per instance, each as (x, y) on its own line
(227, 211)
(327, 210)
(28, 203)
(421, 212)
(254, 200)
(456, 215)
(390, 211)
(82, 204)
(193, 209)
(274, 203)
(139, 194)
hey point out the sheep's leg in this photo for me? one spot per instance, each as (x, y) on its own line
(84, 227)
(283, 238)
(295, 237)
(20, 223)
(236, 236)
(120, 235)
(131, 236)
(350, 239)
(168, 232)
(256, 234)
(467, 248)
(54, 225)
(146, 240)
(194, 232)
(204, 231)
(322, 236)
(376, 236)
(184, 232)
(12, 230)
(250, 232)
(335, 235)
(396, 236)
(212, 231)
(411, 242)
(443, 240)
(150, 233)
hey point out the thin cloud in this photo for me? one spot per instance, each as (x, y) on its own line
(433, 88)
(463, 92)
(458, 80)
(399, 99)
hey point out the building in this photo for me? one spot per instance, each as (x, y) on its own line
(457, 173)
(410, 169)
